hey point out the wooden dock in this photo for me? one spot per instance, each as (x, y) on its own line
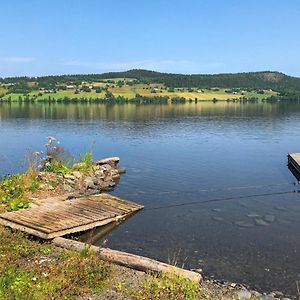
(294, 161)
(54, 218)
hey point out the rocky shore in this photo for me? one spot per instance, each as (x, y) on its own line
(103, 176)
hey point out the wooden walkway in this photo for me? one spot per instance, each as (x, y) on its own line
(294, 161)
(56, 218)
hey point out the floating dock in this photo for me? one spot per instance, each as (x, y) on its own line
(54, 218)
(294, 161)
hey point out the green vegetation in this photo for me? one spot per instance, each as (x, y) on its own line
(164, 286)
(142, 87)
(30, 270)
(14, 187)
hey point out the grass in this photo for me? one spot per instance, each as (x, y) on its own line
(167, 286)
(30, 270)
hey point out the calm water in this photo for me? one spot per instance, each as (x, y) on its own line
(204, 172)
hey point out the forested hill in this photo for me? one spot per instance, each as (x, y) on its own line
(253, 80)
(258, 80)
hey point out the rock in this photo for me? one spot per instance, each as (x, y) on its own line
(121, 170)
(253, 215)
(67, 188)
(218, 219)
(103, 185)
(255, 294)
(199, 270)
(112, 161)
(99, 174)
(69, 176)
(282, 208)
(77, 174)
(89, 182)
(260, 222)
(243, 224)
(267, 297)
(269, 218)
(106, 167)
(243, 294)
(46, 187)
(276, 294)
(70, 182)
(108, 178)
(116, 177)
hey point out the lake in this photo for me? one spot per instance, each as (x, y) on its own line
(212, 176)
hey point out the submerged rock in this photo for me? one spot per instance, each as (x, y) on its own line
(121, 170)
(243, 224)
(261, 222)
(269, 218)
(253, 215)
(217, 209)
(218, 219)
(281, 208)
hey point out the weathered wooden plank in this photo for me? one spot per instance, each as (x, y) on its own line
(60, 216)
(106, 207)
(86, 207)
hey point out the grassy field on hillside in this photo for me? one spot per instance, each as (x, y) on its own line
(97, 90)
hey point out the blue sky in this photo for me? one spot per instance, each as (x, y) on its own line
(191, 36)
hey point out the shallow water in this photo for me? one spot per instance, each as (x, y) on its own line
(212, 177)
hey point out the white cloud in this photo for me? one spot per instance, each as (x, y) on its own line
(16, 59)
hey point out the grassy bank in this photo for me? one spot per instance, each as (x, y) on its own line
(33, 270)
